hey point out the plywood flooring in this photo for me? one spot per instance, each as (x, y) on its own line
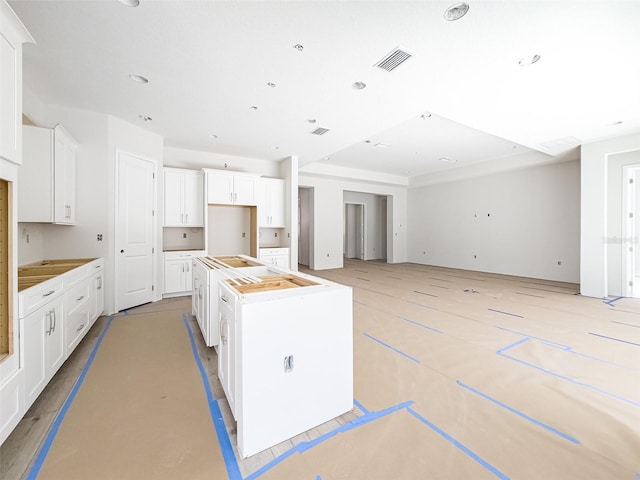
(457, 375)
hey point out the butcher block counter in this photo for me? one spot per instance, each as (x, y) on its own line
(38, 272)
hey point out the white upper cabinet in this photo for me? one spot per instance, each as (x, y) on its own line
(231, 188)
(183, 198)
(47, 177)
(12, 36)
(271, 202)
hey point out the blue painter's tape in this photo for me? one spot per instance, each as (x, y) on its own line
(360, 406)
(628, 324)
(318, 477)
(611, 302)
(502, 351)
(459, 445)
(46, 446)
(233, 471)
(504, 313)
(638, 475)
(616, 339)
(304, 446)
(422, 305)
(568, 349)
(519, 413)
(420, 325)
(391, 348)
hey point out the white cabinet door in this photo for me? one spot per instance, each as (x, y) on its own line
(173, 214)
(174, 276)
(220, 188)
(48, 176)
(183, 198)
(193, 195)
(244, 190)
(270, 196)
(276, 203)
(97, 283)
(44, 350)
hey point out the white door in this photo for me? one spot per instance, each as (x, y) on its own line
(134, 231)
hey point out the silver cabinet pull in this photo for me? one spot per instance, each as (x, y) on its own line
(80, 328)
(224, 298)
(186, 218)
(48, 314)
(53, 313)
(50, 292)
(79, 298)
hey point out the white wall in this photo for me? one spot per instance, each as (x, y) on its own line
(328, 216)
(593, 208)
(518, 223)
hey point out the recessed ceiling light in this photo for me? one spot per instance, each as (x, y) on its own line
(456, 12)
(528, 60)
(130, 3)
(275, 148)
(213, 135)
(271, 84)
(311, 120)
(424, 116)
(146, 118)
(382, 145)
(613, 124)
(448, 160)
(359, 85)
(253, 107)
(298, 47)
(367, 141)
(138, 78)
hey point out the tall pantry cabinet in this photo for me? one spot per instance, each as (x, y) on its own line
(12, 35)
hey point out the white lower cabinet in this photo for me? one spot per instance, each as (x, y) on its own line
(44, 349)
(278, 256)
(178, 274)
(55, 315)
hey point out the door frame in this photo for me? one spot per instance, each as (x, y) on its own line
(157, 291)
(363, 239)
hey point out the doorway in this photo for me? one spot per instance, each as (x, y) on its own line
(134, 231)
(355, 230)
(305, 226)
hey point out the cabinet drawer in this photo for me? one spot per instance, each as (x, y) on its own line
(78, 305)
(182, 255)
(34, 297)
(95, 266)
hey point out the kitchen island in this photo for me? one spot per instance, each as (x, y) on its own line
(285, 352)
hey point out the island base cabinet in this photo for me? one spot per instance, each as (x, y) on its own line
(300, 350)
(44, 349)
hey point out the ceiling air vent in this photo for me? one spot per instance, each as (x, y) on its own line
(396, 58)
(320, 131)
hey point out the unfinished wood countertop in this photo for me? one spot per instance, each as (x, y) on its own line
(38, 272)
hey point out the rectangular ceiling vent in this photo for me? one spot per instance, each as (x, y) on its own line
(320, 131)
(396, 58)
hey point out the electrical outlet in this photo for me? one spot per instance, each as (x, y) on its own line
(275, 234)
(99, 237)
(244, 234)
(184, 235)
(559, 262)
